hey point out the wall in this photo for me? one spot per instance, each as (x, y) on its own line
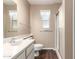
(23, 9)
(5, 19)
(69, 29)
(46, 38)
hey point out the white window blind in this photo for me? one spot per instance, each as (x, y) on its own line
(13, 20)
(45, 18)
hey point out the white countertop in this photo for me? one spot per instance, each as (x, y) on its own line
(11, 51)
(18, 37)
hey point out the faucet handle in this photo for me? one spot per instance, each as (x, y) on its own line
(12, 40)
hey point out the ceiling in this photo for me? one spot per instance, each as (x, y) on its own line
(9, 2)
(43, 2)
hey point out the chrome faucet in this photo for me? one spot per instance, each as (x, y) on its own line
(13, 40)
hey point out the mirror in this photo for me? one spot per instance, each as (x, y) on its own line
(9, 18)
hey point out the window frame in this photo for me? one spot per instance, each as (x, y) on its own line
(45, 29)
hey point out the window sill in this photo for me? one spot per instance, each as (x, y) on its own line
(46, 30)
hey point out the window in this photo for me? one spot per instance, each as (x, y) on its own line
(13, 20)
(45, 18)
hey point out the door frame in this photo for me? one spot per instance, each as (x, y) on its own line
(57, 44)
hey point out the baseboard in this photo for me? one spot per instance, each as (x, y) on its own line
(57, 52)
(49, 48)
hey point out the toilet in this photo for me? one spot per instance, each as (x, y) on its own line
(37, 48)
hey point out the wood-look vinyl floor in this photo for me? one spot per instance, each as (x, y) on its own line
(47, 54)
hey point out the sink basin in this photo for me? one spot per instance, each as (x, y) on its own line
(9, 50)
(6, 48)
(16, 42)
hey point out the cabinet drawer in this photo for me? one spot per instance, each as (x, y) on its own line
(29, 49)
(31, 56)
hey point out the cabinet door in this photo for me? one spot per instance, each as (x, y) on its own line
(29, 49)
(21, 56)
(31, 56)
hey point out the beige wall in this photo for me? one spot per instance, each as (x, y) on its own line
(5, 19)
(68, 29)
(46, 38)
(23, 9)
(23, 19)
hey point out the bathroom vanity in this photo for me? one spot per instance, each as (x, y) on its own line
(24, 50)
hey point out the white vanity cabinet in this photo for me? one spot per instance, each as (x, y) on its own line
(31, 56)
(27, 53)
(24, 50)
(30, 52)
(21, 55)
